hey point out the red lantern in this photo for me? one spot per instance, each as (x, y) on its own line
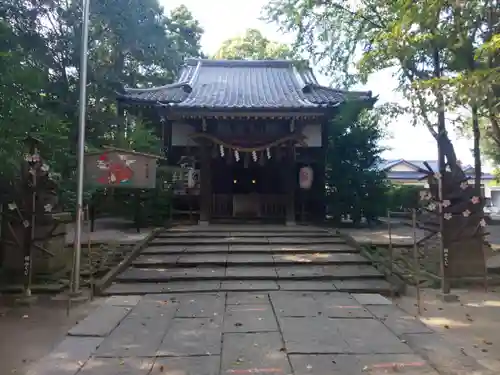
(306, 175)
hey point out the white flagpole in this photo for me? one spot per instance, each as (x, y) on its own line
(81, 146)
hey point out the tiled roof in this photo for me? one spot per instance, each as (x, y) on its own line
(386, 165)
(243, 84)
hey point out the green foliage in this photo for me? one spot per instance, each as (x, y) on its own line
(131, 42)
(443, 53)
(354, 186)
(253, 46)
(401, 198)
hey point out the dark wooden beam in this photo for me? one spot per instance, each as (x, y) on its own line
(291, 180)
(205, 184)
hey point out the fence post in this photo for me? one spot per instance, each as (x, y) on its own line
(416, 258)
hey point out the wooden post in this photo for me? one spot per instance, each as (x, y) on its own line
(391, 249)
(92, 213)
(205, 184)
(290, 186)
(137, 211)
(321, 173)
(416, 258)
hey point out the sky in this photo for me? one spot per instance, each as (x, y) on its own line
(224, 19)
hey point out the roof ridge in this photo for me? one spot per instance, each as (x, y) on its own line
(185, 85)
(278, 63)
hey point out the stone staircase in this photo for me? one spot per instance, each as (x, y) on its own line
(248, 258)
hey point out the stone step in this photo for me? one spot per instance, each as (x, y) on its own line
(300, 272)
(254, 259)
(241, 249)
(246, 229)
(210, 234)
(193, 240)
(350, 286)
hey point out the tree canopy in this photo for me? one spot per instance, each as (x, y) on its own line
(131, 42)
(253, 46)
(444, 54)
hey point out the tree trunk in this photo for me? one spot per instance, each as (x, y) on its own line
(477, 150)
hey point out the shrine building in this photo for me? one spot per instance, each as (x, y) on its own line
(253, 133)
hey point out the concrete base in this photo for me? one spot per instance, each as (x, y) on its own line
(81, 296)
(203, 223)
(447, 297)
(290, 223)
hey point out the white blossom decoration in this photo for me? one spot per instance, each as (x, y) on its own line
(464, 185)
(446, 203)
(466, 213)
(447, 216)
(424, 195)
(48, 207)
(44, 168)
(12, 206)
(431, 207)
(482, 223)
(437, 175)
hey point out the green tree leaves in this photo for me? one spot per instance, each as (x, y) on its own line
(253, 46)
(131, 42)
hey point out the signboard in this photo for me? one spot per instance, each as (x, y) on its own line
(306, 176)
(119, 168)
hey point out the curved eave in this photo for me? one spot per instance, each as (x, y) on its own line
(321, 109)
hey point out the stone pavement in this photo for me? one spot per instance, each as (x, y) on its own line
(268, 333)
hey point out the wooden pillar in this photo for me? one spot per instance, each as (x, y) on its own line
(165, 128)
(205, 184)
(320, 175)
(291, 180)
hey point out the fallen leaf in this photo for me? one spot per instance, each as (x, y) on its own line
(162, 368)
(447, 326)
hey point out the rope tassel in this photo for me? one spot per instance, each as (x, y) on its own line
(254, 156)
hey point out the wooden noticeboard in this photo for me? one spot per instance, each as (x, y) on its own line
(119, 168)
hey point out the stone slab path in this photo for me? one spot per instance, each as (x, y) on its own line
(268, 333)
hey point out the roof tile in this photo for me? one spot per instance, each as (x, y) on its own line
(222, 84)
